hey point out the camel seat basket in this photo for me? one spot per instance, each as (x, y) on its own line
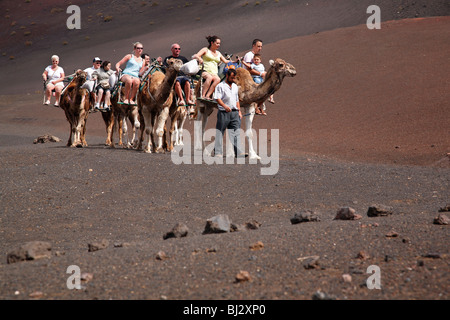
(154, 66)
(201, 88)
(67, 80)
(117, 89)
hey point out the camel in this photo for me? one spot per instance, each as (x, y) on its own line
(117, 116)
(178, 115)
(250, 94)
(75, 103)
(154, 102)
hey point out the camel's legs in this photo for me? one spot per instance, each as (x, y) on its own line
(126, 143)
(161, 121)
(180, 127)
(134, 119)
(199, 129)
(148, 130)
(109, 128)
(250, 113)
(141, 133)
(120, 129)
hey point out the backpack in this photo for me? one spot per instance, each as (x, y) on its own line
(231, 65)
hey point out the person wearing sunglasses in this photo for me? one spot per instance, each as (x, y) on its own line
(182, 83)
(90, 78)
(134, 64)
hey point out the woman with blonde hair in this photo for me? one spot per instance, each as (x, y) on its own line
(53, 76)
(134, 65)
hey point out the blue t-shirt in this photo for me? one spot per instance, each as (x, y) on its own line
(259, 68)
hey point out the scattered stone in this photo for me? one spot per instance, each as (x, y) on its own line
(36, 295)
(86, 277)
(305, 216)
(243, 276)
(237, 227)
(253, 225)
(46, 138)
(362, 255)
(211, 250)
(257, 246)
(161, 255)
(392, 234)
(388, 258)
(356, 270)
(445, 209)
(369, 225)
(30, 251)
(347, 213)
(218, 224)
(406, 240)
(180, 230)
(121, 244)
(347, 278)
(379, 210)
(441, 219)
(311, 262)
(319, 295)
(432, 255)
(95, 246)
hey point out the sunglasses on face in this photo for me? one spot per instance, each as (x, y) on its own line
(176, 48)
(139, 48)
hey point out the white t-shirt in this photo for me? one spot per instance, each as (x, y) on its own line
(90, 71)
(229, 95)
(54, 75)
(249, 57)
(89, 84)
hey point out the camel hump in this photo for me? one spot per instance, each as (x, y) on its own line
(156, 79)
(244, 78)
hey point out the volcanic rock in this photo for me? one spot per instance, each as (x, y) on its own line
(379, 210)
(218, 224)
(347, 213)
(180, 230)
(30, 251)
(305, 216)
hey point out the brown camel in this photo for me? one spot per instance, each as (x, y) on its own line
(117, 117)
(75, 103)
(154, 101)
(250, 94)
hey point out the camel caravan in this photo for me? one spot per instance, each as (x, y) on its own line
(156, 101)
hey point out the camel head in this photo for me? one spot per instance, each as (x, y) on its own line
(282, 68)
(174, 63)
(80, 77)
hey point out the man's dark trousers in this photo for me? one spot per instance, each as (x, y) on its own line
(232, 122)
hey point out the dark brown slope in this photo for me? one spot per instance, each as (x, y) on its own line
(33, 31)
(362, 95)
